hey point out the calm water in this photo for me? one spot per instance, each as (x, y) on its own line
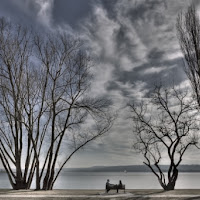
(94, 180)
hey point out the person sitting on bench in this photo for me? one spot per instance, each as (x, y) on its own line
(120, 183)
(107, 185)
(113, 186)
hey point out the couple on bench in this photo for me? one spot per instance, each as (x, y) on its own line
(114, 186)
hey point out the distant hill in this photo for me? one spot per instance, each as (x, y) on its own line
(132, 168)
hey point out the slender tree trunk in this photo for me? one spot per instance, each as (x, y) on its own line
(37, 176)
(50, 183)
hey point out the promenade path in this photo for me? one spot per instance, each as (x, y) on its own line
(99, 194)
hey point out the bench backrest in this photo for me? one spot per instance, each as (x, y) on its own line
(115, 186)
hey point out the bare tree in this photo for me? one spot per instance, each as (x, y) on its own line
(165, 128)
(44, 104)
(15, 53)
(68, 78)
(188, 31)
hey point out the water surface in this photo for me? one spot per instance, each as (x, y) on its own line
(97, 180)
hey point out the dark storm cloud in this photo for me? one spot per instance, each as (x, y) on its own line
(141, 11)
(155, 55)
(171, 74)
(152, 78)
(142, 35)
(71, 12)
(110, 6)
(132, 42)
(27, 13)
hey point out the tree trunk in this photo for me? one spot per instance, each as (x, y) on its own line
(37, 176)
(50, 182)
(172, 181)
(21, 185)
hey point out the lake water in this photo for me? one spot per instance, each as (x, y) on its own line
(97, 180)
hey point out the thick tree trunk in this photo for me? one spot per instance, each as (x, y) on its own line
(20, 182)
(172, 181)
(21, 185)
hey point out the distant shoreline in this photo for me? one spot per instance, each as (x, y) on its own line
(132, 168)
(129, 168)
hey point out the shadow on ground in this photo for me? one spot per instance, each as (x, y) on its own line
(2, 191)
(150, 193)
(193, 198)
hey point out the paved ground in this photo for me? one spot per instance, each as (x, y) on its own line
(99, 194)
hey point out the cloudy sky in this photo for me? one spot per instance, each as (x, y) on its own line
(134, 46)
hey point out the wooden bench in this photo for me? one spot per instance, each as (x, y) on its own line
(114, 187)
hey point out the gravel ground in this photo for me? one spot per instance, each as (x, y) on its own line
(99, 194)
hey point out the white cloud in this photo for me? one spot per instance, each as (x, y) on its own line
(102, 74)
(105, 31)
(156, 70)
(99, 32)
(153, 70)
(126, 64)
(175, 55)
(45, 11)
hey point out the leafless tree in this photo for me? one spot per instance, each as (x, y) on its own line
(44, 104)
(165, 127)
(67, 70)
(188, 31)
(15, 53)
